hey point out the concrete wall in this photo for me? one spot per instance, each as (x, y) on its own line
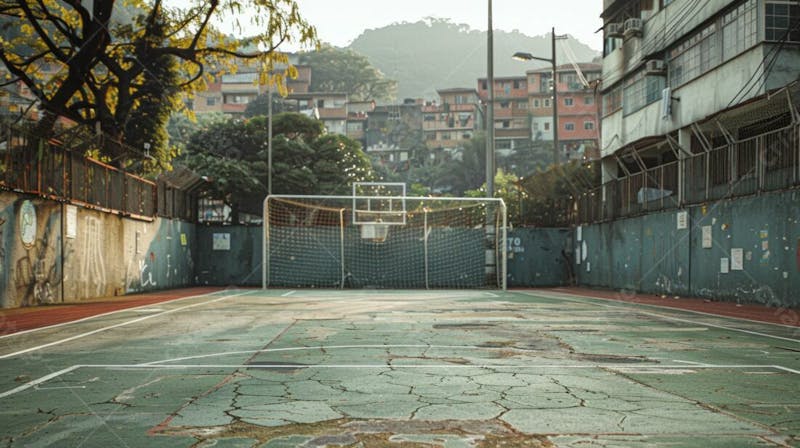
(756, 239)
(239, 265)
(52, 252)
(539, 257)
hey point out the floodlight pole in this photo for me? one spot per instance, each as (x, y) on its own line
(269, 136)
(490, 169)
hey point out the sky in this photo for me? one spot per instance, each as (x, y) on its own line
(339, 22)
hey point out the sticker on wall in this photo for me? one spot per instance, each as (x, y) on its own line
(708, 242)
(723, 265)
(584, 251)
(183, 239)
(683, 220)
(737, 259)
(578, 255)
(27, 223)
(579, 233)
(588, 267)
(72, 222)
(222, 241)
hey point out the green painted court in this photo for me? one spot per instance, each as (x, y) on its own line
(282, 368)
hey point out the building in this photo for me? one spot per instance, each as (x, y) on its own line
(512, 126)
(394, 132)
(453, 121)
(682, 84)
(578, 106)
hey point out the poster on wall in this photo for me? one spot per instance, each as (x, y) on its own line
(222, 241)
(737, 259)
(72, 222)
(683, 220)
(27, 224)
(723, 265)
(708, 242)
(579, 233)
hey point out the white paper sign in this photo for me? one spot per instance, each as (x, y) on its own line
(737, 259)
(723, 265)
(683, 220)
(72, 222)
(222, 241)
(707, 240)
(579, 233)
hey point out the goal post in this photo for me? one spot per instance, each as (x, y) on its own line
(374, 240)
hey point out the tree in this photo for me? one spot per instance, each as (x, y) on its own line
(346, 71)
(126, 75)
(260, 105)
(233, 154)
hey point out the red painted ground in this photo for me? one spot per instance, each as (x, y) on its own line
(20, 319)
(784, 316)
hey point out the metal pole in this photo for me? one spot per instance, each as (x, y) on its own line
(269, 137)
(490, 109)
(265, 249)
(341, 246)
(556, 155)
(425, 241)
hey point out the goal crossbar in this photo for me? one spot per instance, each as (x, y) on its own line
(441, 236)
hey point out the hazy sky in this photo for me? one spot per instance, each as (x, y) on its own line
(341, 21)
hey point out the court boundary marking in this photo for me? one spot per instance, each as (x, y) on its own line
(121, 324)
(611, 303)
(616, 367)
(83, 319)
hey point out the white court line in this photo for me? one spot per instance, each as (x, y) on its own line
(620, 367)
(287, 294)
(36, 382)
(627, 305)
(122, 324)
(672, 308)
(319, 347)
(19, 333)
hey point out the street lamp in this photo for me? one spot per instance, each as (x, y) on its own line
(522, 56)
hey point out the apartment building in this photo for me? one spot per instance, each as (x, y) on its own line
(393, 131)
(670, 66)
(451, 122)
(511, 110)
(578, 107)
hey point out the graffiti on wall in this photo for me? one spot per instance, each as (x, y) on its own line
(93, 266)
(37, 272)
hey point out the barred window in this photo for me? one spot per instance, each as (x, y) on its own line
(694, 56)
(739, 29)
(782, 17)
(641, 90)
(612, 101)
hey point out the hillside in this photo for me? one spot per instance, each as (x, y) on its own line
(428, 55)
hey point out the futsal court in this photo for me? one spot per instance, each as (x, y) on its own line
(436, 368)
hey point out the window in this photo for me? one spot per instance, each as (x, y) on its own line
(547, 102)
(429, 117)
(483, 85)
(516, 84)
(544, 82)
(612, 101)
(569, 126)
(535, 126)
(694, 56)
(466, 136)
(781, 17)
(568, 78)
(535, 104)
(641, 90)
(211, 101)
(503, 144)
(522, 104)
(460, 99)
(504, 105)
(588, 125)
(588, 100)
(568, 101)
(444, 136)
(739, 29)
(547, 126)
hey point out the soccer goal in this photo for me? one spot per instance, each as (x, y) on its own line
(374, 240)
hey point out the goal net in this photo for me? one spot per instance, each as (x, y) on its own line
(375, 241)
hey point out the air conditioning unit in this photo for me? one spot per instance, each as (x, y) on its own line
(655, 67)
(614, 30)
(633, 27)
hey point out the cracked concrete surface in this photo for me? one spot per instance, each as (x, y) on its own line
(422, 369)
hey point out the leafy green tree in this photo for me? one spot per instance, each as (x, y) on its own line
(125, 75)
(260, 105)
(233, 154)
(336, 70)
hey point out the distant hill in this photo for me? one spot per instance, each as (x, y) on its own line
(433, 54)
